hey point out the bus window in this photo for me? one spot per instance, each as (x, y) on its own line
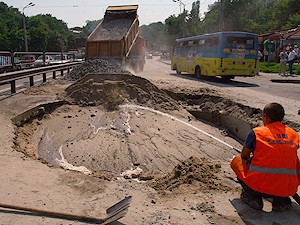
(212, 41)
(202, 42)
(196, 43)
(190, 43)
(183, 44)
(235, 42)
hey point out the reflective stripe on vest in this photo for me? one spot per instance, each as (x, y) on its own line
(274, 170)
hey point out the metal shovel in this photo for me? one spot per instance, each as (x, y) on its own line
(114, 212)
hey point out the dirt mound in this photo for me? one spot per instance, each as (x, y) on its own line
(111, 90)
(193, 171)
(96, 66)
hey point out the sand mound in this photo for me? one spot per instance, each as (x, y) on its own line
(111, 90)
(193, 171)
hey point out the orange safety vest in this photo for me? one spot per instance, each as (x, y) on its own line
(275, 167)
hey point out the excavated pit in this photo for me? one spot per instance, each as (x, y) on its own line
(236, 118)
(121, 125)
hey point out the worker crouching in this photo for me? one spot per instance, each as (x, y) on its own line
(269, 166)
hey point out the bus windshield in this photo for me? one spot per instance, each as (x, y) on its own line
(236, 42)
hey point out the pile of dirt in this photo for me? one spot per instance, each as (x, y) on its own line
(111, 90)
(96, 66)
(193, 171)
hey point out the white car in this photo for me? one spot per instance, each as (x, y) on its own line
(58, 59)
(40, 60)
(78, 58)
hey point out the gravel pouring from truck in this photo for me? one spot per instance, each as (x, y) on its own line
(116, 37)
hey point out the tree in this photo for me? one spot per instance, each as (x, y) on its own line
(288, 11)
(38, 34)
(194, 23)
(155, 36)
(211, 18)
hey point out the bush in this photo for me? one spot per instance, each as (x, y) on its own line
(274, 68)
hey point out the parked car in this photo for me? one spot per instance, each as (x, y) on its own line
(59, 59)
(27, 59)
(40, 61)
(78, 58)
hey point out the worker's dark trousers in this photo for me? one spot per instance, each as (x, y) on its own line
(279, 200)
(291, 66)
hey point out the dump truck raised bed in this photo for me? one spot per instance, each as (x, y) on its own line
(116, 37)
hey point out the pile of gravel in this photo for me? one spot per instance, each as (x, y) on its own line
(96, 66)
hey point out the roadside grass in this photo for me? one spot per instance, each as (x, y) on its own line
(274, 68)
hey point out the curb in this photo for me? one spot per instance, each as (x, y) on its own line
(285, 81)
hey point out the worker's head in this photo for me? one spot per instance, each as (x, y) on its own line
(273, 112)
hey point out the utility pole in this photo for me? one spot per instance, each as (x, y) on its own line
(24, 24)
(221, 19)
(183, 20)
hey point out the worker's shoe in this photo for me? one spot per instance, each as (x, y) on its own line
(281, 204)
(252, 201)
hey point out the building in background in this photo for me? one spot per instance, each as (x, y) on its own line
(282, 39)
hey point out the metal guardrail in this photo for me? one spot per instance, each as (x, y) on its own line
(11, 77)
(16, 64)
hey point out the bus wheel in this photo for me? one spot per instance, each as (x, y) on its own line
(177, 71)
(198, 72)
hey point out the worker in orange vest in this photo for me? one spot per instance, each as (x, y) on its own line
(269, 166)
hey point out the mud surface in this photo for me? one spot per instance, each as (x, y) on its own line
(147, 145)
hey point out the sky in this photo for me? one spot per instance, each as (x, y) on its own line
(77, 12)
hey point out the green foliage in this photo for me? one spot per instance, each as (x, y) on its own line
(194, 23)
(274, 68)
(156, 37)
(254, 16)
(44, 32)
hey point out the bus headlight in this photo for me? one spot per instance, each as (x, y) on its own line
(253, 52)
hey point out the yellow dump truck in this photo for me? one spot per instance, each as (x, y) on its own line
(116, 37)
